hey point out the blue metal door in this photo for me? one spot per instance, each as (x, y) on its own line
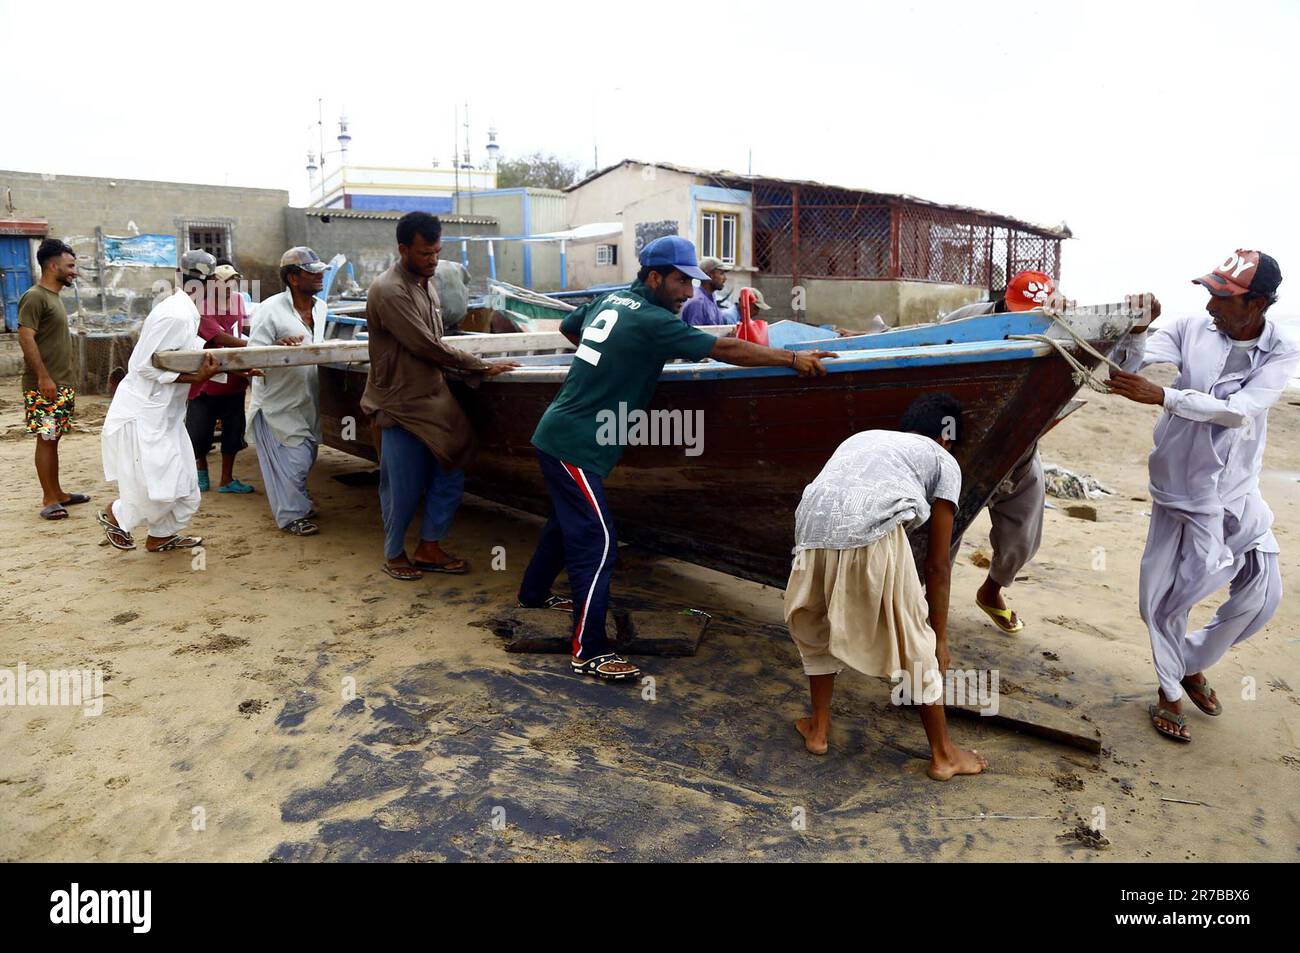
(15, 276)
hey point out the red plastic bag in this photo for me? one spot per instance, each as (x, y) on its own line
(750, 329)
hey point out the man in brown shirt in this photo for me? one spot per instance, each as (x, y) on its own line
(49, 395)
(425, 438)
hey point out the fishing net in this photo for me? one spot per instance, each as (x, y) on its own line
(102, 353)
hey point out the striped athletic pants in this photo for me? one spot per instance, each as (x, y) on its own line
(579, 537)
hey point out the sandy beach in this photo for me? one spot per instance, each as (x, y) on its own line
(288, 701)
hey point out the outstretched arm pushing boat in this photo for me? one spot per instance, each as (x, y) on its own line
(749, 354)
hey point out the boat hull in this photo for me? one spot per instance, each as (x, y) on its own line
(764, 438)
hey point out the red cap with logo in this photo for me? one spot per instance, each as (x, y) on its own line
(1244, 271)
(1029, 290)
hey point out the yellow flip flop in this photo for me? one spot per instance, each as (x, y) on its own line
(1002, 618)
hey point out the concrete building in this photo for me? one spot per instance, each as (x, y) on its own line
(819, 253)
(518, 213)
(129, 233)
(369, 238)
(398, 188)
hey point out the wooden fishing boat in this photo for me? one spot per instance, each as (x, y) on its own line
(766, 432)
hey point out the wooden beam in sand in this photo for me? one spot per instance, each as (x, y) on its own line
(1039, 720)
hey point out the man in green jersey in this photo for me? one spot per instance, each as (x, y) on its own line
(623, 342)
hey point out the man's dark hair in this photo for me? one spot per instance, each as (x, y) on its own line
(661, 270)
(224, 261)
(50, 249)
(1271, 299)
(934, 416)
(285, 272)
(423, 224)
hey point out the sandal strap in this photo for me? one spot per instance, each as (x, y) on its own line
(179, 542)
(1165, 714)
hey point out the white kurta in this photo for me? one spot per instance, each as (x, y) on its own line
(1210, 526)
(145, 447)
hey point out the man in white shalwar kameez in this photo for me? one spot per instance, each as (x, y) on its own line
(145, 446)
(1210, 527)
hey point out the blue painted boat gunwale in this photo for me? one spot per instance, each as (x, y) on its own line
(977, 352)
(988, 327)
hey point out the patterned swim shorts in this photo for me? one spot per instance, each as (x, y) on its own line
(50, 419)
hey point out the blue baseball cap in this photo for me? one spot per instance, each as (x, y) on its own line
(675, 251)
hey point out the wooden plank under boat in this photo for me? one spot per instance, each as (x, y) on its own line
(766, 431)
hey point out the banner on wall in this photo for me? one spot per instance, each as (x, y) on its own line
(145, 251)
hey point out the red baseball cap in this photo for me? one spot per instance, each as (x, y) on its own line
(1029, 290)
(1244, 271)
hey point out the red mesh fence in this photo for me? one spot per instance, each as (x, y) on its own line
(967, 249)
(818, 232)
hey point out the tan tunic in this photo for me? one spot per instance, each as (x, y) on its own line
(405, 384)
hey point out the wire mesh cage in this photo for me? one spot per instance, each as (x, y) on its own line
(102, 357)
(808, 231)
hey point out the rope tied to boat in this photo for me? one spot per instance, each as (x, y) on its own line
(1082, 375)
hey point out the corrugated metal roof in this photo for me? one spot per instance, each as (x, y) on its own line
(723, 176)
(317, 212)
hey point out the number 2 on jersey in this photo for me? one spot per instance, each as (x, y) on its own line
(596, 332)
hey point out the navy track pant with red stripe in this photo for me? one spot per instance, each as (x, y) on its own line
(578, 536)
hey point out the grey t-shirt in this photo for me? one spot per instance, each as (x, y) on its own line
(874, 481)
(971, 310)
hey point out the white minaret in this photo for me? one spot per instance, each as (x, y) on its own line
(344, 140)
(493, 150)
(311, 174)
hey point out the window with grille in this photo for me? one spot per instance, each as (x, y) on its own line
(727, 239)
(720, 236)
(211, 240)
(606, 254)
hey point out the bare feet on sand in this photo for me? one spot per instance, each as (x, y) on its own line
(814, 741)
(955, 761)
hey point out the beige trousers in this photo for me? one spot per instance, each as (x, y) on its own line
(863, 608)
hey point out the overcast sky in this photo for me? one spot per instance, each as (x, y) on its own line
(1164, 134)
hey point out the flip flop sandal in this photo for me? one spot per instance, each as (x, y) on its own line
(204, 483)
(1202, 688)
(595, 667)
(75, 498)
(235, 486)
(123, 540)
(178, 542)
(302, 527)
(54, 511)
(1155, 711)
(1002, 618)
(442, 567)
(559, 603)
(403, 573)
